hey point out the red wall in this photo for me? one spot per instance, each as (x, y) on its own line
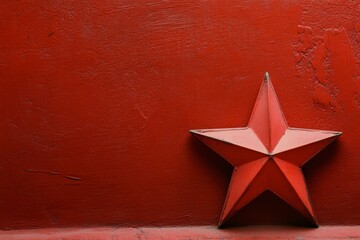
(97, 97)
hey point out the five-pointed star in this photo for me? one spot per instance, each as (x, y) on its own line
(266, 155)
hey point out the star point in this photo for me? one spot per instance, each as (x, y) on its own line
(267, 155)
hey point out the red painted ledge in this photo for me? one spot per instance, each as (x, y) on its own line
(201, 232)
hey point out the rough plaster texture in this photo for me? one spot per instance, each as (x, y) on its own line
(96, 100)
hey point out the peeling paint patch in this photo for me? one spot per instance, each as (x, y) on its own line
(53, 173)
(329, 61)
(304, 49)
(322, 98)
(325, 51)
(305, 34)
(334, 68)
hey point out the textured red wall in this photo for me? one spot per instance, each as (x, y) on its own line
(97, 97)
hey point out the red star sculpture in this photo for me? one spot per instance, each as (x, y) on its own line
(266, 155)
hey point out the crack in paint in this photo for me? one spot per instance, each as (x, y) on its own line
(140, 111)
(53, 173)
